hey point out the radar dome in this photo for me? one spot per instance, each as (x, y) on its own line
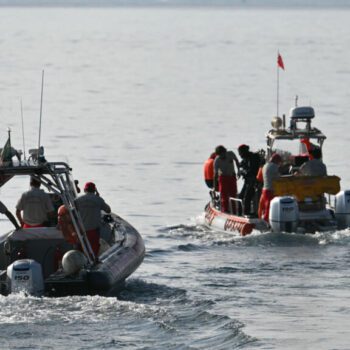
(276, 122)
(73, 261)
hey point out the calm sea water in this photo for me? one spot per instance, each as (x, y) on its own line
(135, 100)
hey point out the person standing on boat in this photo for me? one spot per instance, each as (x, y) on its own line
(89, 206)
(209, 170)
(225, 176)
(270, 172)
(314, 166)
(249, 168)
(36, 205)
(5, 211)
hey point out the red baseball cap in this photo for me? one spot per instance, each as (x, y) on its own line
(90, 187)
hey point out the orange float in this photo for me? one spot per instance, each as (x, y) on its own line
(65, 224)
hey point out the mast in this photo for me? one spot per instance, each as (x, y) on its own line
(24, 147)
(278, 89)
(41, 108)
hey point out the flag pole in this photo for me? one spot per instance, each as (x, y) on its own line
(278, 83)
(41, 108)
(24, 145)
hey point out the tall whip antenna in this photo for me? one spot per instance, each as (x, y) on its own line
(41, 107)
(24, 146)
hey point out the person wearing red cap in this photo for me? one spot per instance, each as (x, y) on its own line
(89, 206)
(270, 172)
(209, 170)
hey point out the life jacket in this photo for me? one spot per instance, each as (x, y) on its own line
(259, 176)
(309, 147)
(66, 226)
(209, 169)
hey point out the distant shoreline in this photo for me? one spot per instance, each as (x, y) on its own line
(241, 4)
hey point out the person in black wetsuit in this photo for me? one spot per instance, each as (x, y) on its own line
(249, 168)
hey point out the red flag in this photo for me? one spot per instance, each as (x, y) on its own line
(280, 61)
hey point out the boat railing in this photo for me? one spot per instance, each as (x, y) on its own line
(330, 200)
(236, 205)
(69, 202)
(215, 199)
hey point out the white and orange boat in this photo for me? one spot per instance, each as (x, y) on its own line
(302, 204)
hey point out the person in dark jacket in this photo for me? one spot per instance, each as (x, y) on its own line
(249, 168)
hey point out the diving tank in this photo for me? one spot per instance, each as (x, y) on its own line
(284, 214)
(342, 209)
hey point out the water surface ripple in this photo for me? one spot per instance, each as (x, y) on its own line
(135, 100)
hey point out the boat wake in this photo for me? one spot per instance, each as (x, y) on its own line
(194, 326)
(198, 236)
(160, 323)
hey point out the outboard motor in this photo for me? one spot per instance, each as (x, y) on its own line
(25, 275)
(342, 209)
(284, 214)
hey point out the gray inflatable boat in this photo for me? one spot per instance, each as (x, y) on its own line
(41, 261)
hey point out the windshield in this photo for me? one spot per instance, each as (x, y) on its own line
(289, 147)
(293, 152)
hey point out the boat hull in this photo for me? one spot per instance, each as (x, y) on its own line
(106, 277)
(243, 226)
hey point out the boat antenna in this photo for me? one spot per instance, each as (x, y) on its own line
(41, 107)
(9, 132)
(24, 147)
(296, 100)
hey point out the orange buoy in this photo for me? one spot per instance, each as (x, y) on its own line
(66, 226)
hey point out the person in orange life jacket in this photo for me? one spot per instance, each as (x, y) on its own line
(209, 170)
(270, 172)
(36, 205)
(89, 206)
(309, 147)
(5, 211)
(249, 168)
(225, 176)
